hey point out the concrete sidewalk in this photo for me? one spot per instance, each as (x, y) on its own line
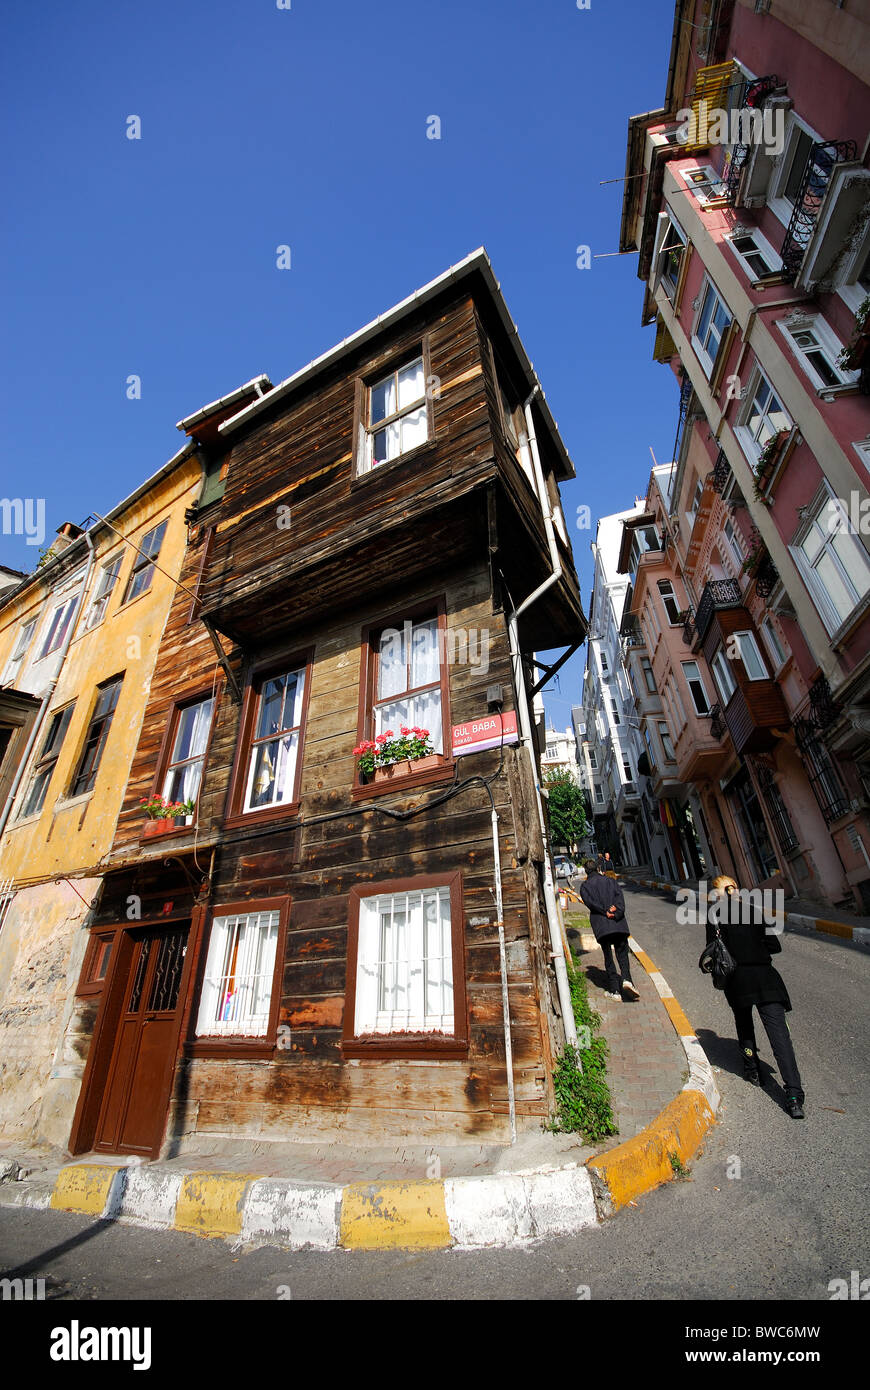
(414, 1196)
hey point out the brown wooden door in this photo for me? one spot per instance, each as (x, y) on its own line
(133, 1109)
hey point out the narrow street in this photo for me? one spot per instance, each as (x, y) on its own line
(788, 1221)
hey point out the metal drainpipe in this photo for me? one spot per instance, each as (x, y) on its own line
(556, 947)
(505, 1002)
(46, 699)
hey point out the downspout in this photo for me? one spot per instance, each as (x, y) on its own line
(47, 697)
(555, 927)
(502, 955)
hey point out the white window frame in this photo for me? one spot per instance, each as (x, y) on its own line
(249, 1017)
(763, 248)
(710, 181)
(775, 649)
(779, 205)
(668, 227)
(648, 675)
(851, 292)
(828, 343)
(63, 611)
(19, 651)
(753, 443)
(746, 643)
(663, 725)
(664, 597)
(733, 542)
(700, 680)
(396, 417)
(388, 968)
(808, 571)
(703, 356)
(254, 743)
(107, 579)
(723, 677)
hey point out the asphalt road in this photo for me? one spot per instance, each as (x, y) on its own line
(772, 1209)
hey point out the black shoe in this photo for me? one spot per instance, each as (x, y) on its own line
(750, 1067)
(795, 1107)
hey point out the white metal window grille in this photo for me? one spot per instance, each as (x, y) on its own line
(13, 665)
(103, 592)
(275, 745)
(397, 419)
(404, 978)
(237, 989)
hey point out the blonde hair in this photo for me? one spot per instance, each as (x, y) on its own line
(722, 881)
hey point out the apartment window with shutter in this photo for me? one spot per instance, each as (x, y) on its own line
(97, 735)
(774, 646)
(46, 762)
(142, 573)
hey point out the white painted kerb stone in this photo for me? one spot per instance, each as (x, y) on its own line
(292, 1215)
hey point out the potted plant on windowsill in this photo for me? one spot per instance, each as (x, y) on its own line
(163, 814)
(766, 463)
(390, 757)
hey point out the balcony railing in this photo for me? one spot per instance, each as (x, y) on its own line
(753, 100)
(721, 473)
(810, 197)
(766, 578)
(689, 627)
(822, 703)
(717, 722)
(718, 593)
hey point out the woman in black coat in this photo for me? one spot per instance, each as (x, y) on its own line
(756, 983)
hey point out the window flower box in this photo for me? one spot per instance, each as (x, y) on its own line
(161, 826)
(767, 463)
(394, 772)
(164, 816)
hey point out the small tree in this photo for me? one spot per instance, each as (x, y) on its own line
(567, 807)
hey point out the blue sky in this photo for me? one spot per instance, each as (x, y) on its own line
(307, 127)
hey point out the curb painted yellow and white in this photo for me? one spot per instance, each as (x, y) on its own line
(846, 931)
(501, 1209)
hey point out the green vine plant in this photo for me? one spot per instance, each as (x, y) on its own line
(583, 1100)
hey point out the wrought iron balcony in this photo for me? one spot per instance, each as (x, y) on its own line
(689, 627)
(717, 722)
(718, 593)
(810, 197)
(721, 473)
(753, 100)
(822, 703)
(766, 578)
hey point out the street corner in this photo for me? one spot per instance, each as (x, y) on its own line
(656, 1155)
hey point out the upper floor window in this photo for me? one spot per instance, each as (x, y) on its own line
(615, 708)
(773, 644)
(665, 736)
(103, 592)
(189, 731)
(703, 182)
(605, 665)
(733, 541)
(142, 573)
(755, 254)
(723, 676)
(753, 661)
(97, 734)
(694, 680)
(272, 730)
(408, 680)
(46, 762)
(58, 626)
(648, 675)
(714, 319)
(817, 349)
(670, 257)
(761, 418)
(669, 602)
(834, 564)
(396, 418)
(22, 642)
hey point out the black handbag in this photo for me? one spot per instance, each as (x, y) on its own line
(717, 960)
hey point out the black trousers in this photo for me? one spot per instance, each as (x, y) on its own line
(619, 943)
(776, 1028)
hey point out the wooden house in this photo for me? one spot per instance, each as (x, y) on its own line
(317, 952)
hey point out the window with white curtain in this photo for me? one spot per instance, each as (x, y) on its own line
(239, 973)
(404, 974)
(187, 755)
(408, 688)
(275, 743)
(834, 564)
(396, 415)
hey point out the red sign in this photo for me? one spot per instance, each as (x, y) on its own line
(479, 734)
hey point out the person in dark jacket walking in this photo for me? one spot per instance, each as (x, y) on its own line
(755, 983)
(603, 896)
